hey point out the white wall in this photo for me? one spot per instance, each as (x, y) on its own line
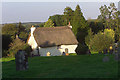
(57, 52)
(32, 42)
(71, 48)
(53, 51)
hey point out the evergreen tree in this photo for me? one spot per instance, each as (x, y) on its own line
(79, 21)
(79, 28)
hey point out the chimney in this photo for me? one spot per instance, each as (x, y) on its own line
(32, 30)
(69, 25)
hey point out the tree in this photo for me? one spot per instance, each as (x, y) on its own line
(95, 25)
(102, 40)
(17, 45)
(78, 21)
(23, 35)
(10, 29)
(109, 16)
(89, 37)
(68, 12)
(58, 20)
(49, 23)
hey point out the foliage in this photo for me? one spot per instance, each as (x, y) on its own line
(81, 34)
(49, 23)
(68, 12)
(18, 45)
(89, 37)
(81, 49)
(41, 25)
(95, 25)
(101, 41)
(109, 16)
(117, 33)
(15, 46)
(58, 20)
(23, 35)
(109, 33)
(78, 20)
(9, 29)
(21, 28)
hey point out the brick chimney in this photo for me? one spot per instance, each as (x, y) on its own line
(69, 25)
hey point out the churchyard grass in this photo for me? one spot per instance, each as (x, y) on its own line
(81, 66)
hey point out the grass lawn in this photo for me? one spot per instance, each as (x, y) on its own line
(82, 66)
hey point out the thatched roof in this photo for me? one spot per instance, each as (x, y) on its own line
(52, 36)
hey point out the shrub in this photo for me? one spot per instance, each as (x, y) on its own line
(81, 49)
(18, 45)
(101, 41)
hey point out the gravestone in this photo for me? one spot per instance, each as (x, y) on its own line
(117, 55)
(106, 59)
(21, 60)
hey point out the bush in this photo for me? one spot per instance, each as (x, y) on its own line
(19, 45)
(101, 41)
(81, 49)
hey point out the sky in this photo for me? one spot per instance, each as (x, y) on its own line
(13, 12)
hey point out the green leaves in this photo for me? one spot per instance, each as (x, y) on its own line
(9, 29)
(109, 16)
(102, 40)
(49, 23)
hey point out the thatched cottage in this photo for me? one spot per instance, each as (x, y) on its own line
(52, 41)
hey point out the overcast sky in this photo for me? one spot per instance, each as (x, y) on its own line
(40, 11)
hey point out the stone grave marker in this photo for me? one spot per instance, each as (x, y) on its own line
(21, 60)
(105, 59)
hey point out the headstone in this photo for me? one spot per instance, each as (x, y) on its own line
(21, 60)
(117, 57)
(106, 59)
